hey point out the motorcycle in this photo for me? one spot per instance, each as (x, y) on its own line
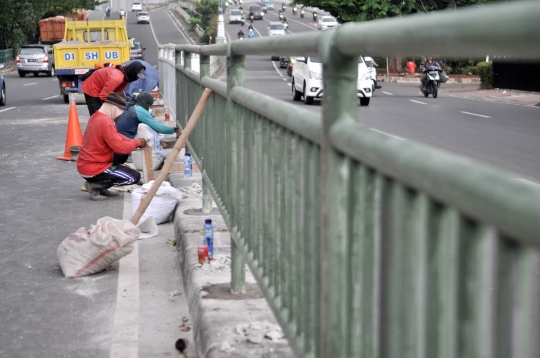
(433, 81)
(302, 14)
(251, 33)
(108, 13)
(294, 11)
(241, 37)
(280, 17)
(251, 18)
(314, 17)
(242, 22)
(285, 25)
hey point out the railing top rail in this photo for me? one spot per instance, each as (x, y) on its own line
(505, 29)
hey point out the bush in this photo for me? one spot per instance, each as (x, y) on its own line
(193, 22)
(485, 71)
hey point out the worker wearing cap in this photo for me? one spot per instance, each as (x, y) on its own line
(100, 142)
(106, 80)
(138, 112)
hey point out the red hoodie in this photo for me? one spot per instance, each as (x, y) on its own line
(100, 142)
(104, 81)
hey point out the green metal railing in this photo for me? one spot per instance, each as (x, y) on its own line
(365, 245)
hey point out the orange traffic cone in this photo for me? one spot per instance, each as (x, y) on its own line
(74, 134)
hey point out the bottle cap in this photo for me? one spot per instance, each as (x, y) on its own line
(208, 221)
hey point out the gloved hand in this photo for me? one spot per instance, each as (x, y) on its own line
(143, 143)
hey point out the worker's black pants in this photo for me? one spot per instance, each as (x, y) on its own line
(93, 103)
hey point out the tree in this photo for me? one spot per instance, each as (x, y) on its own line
(19, 18)
(365, 10)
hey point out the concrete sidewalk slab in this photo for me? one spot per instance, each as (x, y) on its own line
(224, 325)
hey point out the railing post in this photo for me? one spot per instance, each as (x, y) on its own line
(180, 104)
(206, 196)
(235, 77)
(339, 104)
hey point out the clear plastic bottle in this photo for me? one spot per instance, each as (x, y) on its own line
(209, 236)
(187, 166)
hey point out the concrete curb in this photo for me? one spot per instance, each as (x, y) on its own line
(416, 79)
(223, 326)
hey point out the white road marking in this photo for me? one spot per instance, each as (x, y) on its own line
(474, 114)
(391, 135)
(7, 109)
(527, 181)
(289, 84)
(153, 33)
(54, 79)
(179, 30)
(279, 73)
(412, 100)
(44, 99)
(125, 340)
(30, 84)
(388, 93)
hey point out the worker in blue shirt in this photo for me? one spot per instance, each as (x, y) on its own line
(138, 112)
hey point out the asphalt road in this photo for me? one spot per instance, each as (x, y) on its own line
(498, 134)
(42, 314)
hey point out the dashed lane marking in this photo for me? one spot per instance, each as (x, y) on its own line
(412, 100)
(30, 84)
(388, 134)
(7, 109)
(388, 93)
(474, 114)
(51, 97)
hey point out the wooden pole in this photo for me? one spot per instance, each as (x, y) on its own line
(172, 156)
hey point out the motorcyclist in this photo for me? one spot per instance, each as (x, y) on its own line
(294, 10)
(302, 13)
(242, 21)
(444, 76)
(108, 11)
(251, 32)
(285, 24)
(251, 16)
(423, 66)
(283, 6)
(315, 15)
(240, 34)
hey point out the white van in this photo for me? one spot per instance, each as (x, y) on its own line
(308, 80)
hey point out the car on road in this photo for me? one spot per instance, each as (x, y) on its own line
(2, 88)
(307, 80)
(263, 7)
(136, 52)
(143, 18)
(235, 16)
(269, 5)
(327, 22)
(35, 59)
(136, 6)
(276, 28)
(257, 12)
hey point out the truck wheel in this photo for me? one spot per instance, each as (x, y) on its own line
(307, 100)
(22, 73)
(364, 101)
(66, 98)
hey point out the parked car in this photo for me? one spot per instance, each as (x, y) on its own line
(143, 18)
(308, 80)
(235, 16)
(269, 5)
(136, 6)
(327, 22)
(137, 52)
(2, 88)
(35, 59)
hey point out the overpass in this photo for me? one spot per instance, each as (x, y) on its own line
(363, 244)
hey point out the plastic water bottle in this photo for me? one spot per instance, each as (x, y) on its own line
(187, 166)
(209, 235)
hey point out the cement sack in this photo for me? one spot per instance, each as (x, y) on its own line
(154, 141)
(161, 206)
(88, 251)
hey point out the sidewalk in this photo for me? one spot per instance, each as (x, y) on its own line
(224, 325)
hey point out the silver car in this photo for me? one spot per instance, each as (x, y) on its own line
(143, 17)
(276, 28)
(35, 59)
(235, 16)
(327, 22)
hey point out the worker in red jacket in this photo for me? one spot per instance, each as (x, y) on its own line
(100, 142)
(97, 87)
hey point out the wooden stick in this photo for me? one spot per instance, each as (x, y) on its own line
(172, 156)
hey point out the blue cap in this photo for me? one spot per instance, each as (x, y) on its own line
(208, 221)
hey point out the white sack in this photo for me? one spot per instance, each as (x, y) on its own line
(161, 206)
(85, 252)
(154, 141)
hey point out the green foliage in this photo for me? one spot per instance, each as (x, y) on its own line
(362, 10)
(19, 18)
(207, 13)
(194, 21)
(485, 71)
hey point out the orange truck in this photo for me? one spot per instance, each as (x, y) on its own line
(51, 30)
